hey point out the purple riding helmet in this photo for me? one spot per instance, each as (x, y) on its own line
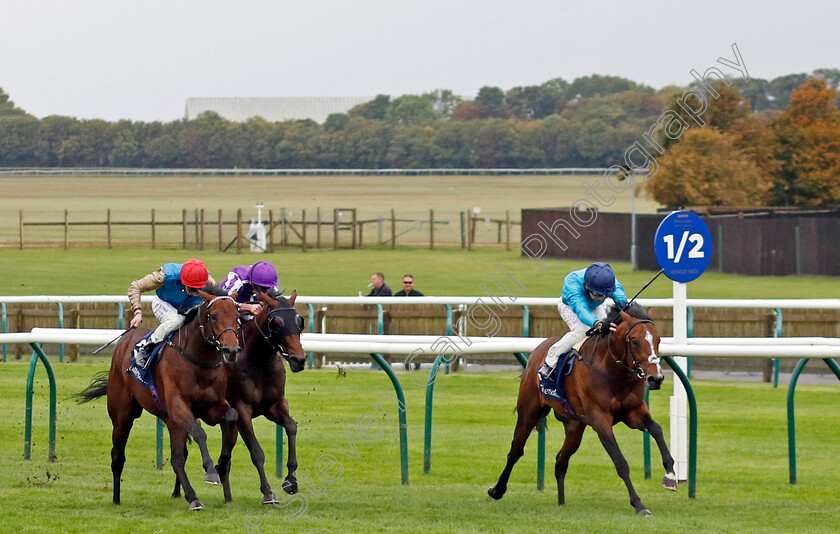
(263, 274)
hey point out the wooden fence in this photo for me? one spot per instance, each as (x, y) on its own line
(431, 319)
(339, 229)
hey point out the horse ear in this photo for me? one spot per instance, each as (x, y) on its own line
(293, 297)
(650, 312)
(626, 317)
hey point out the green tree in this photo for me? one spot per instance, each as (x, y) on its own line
(18, 139)
(412, 109)
(373, 110)
(52, 132)
(558, 142)
(7, 107)
(492, 102)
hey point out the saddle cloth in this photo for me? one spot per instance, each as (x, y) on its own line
(554, 387)
(147, 376)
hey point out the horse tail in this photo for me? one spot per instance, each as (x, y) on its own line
(98, 388)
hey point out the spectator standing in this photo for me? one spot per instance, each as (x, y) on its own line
(380, 288)
(408, 288)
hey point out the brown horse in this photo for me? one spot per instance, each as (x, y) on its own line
(606, 386)
(257, 384)
(190, 380)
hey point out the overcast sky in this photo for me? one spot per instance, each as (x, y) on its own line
(115, 59)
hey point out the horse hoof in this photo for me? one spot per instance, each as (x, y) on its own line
(644, 512)
(290, 487)
(196, 505)
(270, 498)
(495, 493)
(669, 482)
(213, 479)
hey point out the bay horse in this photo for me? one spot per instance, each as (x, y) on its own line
(256, 385)
(606, 386)
(191, 382)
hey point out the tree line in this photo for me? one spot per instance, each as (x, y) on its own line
(588, 122)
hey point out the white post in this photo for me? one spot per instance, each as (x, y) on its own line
(679, 402)
(257, 232)
(633, 263)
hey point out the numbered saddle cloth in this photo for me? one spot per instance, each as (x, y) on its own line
(554, 387)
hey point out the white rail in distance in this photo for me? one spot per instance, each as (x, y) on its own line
(802, 304)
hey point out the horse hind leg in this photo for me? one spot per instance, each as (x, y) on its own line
(119, 438)
(525, 423)
(122, 424)
(574, 434)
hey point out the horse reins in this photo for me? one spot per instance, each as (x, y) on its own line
(212, 340)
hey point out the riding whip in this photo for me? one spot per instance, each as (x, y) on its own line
(97, 351)
(640, 291)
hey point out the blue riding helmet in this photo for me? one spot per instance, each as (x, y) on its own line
(599, 278)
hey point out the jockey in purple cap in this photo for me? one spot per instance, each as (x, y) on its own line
(243, 282)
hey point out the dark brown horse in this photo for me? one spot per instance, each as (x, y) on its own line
(191, 382)
(606, 386)
(257, 386)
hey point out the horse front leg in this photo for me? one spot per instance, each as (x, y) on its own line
(224, 415)
(605, 434)
(229, 434)
(669, 481)
(574, 434)
(176, 493)
(526, 420)
(290, 425)
(246, 430)
(177, 445)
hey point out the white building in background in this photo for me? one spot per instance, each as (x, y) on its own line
(277, 109)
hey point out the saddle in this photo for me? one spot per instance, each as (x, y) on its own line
(554, 387)
(147, 376)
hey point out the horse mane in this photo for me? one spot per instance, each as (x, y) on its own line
(214, 289)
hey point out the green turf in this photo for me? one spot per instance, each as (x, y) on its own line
(742, 465)
(96, 271)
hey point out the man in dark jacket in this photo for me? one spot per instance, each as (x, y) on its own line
(408, 288)
(380, 288)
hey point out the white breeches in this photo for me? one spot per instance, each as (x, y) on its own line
(170, 320)
(576, 333)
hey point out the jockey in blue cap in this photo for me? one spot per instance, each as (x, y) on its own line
(583, 307)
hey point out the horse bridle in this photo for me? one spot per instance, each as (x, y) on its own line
(212, 340)
(272, 313)
(636, 369)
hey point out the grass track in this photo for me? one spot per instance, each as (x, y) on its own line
(346, 272)
(742, 474)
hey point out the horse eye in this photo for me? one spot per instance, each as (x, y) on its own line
(299, 321)
(635, 342)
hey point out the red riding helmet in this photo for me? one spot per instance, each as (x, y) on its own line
(194, 274)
